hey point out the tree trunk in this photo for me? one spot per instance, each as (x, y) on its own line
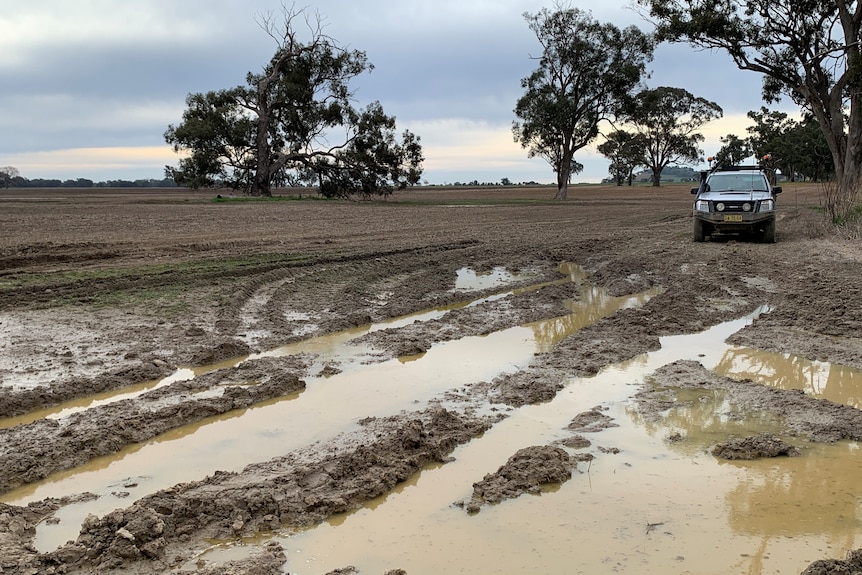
(656, 178)
(846, 151)
(562, 190)
(849, 180)
(262, 178)
(564, 172)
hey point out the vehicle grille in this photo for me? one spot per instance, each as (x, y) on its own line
(737, 206)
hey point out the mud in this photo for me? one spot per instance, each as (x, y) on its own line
(103, 290)
(755, 447)
(817, 420)
(33, 451)
(851, 565)
(527, 471)
(298, 490)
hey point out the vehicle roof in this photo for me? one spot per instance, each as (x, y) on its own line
(727, 168)
(749, 171)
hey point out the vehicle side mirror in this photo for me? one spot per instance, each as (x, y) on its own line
(776, 190)
(694, 190)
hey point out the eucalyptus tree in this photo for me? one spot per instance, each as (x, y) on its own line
(295, 121)
(735, 150)
(625, 150)
(811, 158)
(668, 120)
(797, 148)
(586, 70)
(808, 50)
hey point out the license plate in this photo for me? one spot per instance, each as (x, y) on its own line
(729, 218)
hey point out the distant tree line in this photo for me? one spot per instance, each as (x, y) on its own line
(776, 142)
(20, 182)
(668, 174)
(502, 182)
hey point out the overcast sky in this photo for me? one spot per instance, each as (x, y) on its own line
(89, 87)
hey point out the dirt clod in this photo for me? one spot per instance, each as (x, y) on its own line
(755, 447)
(525, 472)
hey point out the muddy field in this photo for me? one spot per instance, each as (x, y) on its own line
(129, 320)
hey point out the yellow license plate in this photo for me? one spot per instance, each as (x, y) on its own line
(729, 218)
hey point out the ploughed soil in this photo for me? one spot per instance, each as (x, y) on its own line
(104, 289)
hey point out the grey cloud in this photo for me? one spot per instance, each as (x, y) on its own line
(74, 95)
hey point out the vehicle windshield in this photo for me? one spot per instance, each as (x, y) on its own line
(737, 182)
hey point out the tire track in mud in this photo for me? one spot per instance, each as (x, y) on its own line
(303, 488)
(172, 521)
(43, 447)
(330, 504)
(322, 274)
(31, 452)
(351, 285)
(50, 287)
(17, 402)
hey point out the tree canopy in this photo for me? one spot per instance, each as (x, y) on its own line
(7, 175)
(808, 50)
(735, 150)
(586, 71)
(668, 120)
(625, 150)
(295, 122)
(798, 149)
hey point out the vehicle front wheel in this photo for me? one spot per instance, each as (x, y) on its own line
(768, 236)
(699, 231)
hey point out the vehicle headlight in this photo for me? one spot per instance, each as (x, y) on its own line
(746, 207)
(766, 206)
(719, 206)
(701, 206)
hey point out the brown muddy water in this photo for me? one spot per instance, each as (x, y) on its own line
(643, 505)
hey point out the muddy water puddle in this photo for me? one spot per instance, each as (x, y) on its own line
(643, 505)
(468, 279)
(646, 504)
(837, 383)
(640, 511)
(328, 406)
(333, 348)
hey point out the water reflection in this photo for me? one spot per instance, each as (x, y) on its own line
(816, 494)
(837, 383)
(700, 418)
(593, 305)
(468, 279)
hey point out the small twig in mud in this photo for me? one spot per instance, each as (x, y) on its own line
(651, 526)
